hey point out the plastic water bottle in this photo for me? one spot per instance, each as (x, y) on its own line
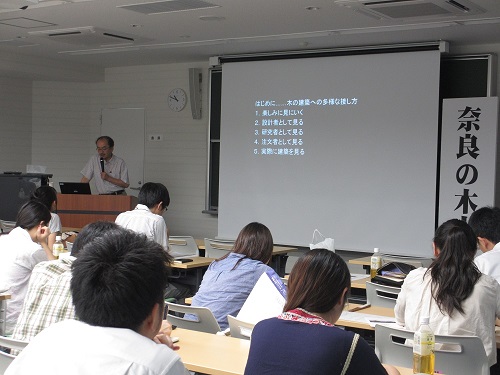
(58, 247)
(423, 349)
(375, 263)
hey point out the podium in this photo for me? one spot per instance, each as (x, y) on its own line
(78, 210)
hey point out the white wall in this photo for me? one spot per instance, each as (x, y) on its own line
(66, 122)
(60, 137)
(15, 124)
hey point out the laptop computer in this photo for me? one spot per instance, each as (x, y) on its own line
(74, 187)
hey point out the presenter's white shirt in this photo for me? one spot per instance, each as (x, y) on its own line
(73, 347)
(489, 262)
(142, 220)
(18, 256)
(480, 310)
(115, 167)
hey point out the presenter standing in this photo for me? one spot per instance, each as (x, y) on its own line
(110, 171)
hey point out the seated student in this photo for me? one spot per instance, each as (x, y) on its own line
(229, 280)
(20, 251)
(153, 200)
(117, 288)
(48, 196)
(303, 339)
(485, 222)
(48, 299)
(452, 292)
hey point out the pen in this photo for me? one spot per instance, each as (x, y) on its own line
(382, 321)
(357, 308)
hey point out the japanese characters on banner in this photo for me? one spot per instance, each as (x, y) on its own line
(468, 156)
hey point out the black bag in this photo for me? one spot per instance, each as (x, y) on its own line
(392, 274)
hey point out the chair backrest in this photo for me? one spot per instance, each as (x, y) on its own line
(6, 359)
(414, 261)
(6, 226)
(381, 295)
(239, 328)
(3, 315)
(217, 248)
(183, 247)
(454, 354)
(204, 318)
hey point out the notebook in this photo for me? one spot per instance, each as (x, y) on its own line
(74, 187)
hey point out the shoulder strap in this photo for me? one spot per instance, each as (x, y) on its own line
(350, 354)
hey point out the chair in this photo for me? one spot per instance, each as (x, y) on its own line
(239, 329)
(205, 321)
(381, 295)
(6, 226)
(454, 354)
(217, 248)
(183, 247)
(6, 359)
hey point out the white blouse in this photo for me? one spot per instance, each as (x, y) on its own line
(480, 310)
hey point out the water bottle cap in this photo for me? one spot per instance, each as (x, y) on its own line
(424, 320)
(375, 250)
(58, 238)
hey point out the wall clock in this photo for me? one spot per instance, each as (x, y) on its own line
(177, 99)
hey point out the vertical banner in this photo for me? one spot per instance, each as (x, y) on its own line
(468, 156)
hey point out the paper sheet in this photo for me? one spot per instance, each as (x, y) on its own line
(265, 301)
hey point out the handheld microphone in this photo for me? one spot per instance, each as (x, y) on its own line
(102, 165)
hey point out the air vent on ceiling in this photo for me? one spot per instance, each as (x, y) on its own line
(16, 4)
(89, 36)
(167, 6)
(403, 9)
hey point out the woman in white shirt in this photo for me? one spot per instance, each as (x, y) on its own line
(452, 292)
(24, 247)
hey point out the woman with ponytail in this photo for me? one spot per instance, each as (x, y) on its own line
(452, 292)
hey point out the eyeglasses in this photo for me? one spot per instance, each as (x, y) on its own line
(102, 148)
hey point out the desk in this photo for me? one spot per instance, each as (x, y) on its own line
(382, 311)
(3, 310)
(360, 283)
(372, 310)
(219, 355)
(192, 273)
(212, 354)
(364, 261)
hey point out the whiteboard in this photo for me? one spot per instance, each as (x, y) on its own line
(127, 127)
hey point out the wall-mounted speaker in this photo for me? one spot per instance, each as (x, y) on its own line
(195, 92)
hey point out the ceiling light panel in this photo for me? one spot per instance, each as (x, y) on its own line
(168, 6)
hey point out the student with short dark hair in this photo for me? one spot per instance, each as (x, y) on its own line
(117, 289)
(485, 222)
(20, 251)
(229, 280)
(48, 196)
(303, 340)
(146, 217)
